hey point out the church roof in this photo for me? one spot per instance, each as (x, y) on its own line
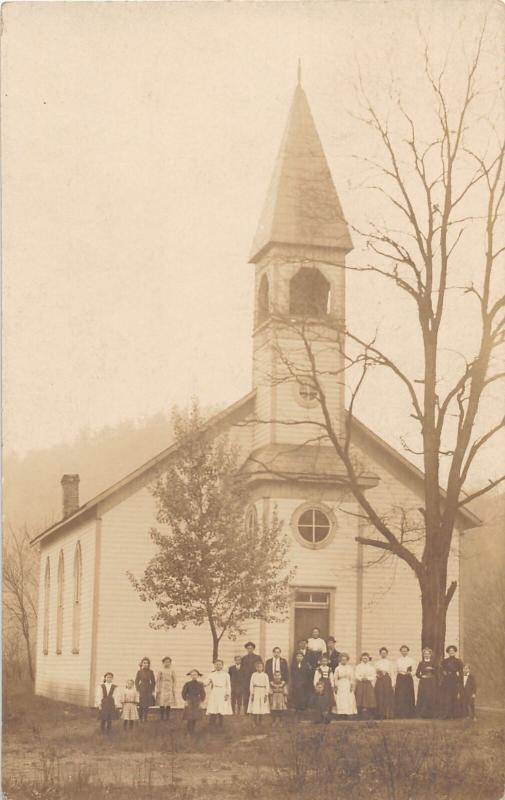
(301, 463)
(302, 206)
(286, 461)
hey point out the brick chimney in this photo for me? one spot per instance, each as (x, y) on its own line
(70, 486)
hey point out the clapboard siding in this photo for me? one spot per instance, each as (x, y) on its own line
(391, 593)
(124, 634)
(65, 676)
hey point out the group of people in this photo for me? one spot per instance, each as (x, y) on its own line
(320, 679)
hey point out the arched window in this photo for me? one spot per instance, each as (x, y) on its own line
(76, 605)
(263, 309)
(251, 520)
(59, 607)
(47, 597)
(309, 294)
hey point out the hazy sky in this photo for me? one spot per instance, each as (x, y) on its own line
(138, 143)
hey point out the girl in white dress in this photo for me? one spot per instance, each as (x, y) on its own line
(218, 704)
(129, 699)
(344, 688)
(259, 690)
(165, 688)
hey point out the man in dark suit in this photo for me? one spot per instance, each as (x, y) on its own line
(277, 664)
(332, 653)
(237, 682)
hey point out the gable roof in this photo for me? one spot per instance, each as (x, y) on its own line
(302, 206)
(240, 408)
(217, 419)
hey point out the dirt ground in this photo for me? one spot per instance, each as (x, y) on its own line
(51, 744)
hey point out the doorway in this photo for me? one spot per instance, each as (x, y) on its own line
(311, 609)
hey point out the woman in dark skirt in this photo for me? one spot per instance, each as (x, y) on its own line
(384, 694)
(405, 698)
(145, 683)
(426, 706)
(451, 684)
(193, 694)
(365, 679)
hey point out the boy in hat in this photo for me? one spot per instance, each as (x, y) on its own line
(249, 662)
(193, 694)
(469, 692)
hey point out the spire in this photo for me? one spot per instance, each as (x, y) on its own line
(302, 206)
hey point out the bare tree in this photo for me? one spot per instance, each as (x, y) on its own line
(439, 188)
(20, 582)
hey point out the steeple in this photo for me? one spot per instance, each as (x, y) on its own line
(302, 206)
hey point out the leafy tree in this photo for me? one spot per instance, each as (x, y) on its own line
(210, 567)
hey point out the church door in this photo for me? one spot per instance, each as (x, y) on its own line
(311, 610)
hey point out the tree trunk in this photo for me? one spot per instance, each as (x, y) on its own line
(215, 647)
(435, 601)
(30, 660)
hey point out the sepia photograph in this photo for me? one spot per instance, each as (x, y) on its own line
(253, 382)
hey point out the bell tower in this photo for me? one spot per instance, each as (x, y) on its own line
(299, 255)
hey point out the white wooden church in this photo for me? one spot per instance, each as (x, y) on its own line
(90, 617)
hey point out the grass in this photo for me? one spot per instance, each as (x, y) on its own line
(53, 751)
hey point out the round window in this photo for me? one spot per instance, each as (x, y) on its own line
(306, 394)
(314, 526)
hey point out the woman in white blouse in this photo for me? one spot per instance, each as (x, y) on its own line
(405, 701)
(384, 694)
(343, 679)
(365, 681)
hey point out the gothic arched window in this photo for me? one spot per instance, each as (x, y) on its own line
(47, 598)
(59, 607)
(263, 308)
(76, 605)
(309, 293)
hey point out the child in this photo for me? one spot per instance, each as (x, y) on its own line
(219, 695)
(165, 688)
(129, 704)
(193, 694)
(384, 694)
(405, 699)
(469, 692)
(321, 704)
(365, 681)
(451, 684)
(107, 701)
(259, 689)
(426, 705)
(278, 697)
(343, 680)
(236, 673)
(324, 674)
(145, 684)
(300, 684)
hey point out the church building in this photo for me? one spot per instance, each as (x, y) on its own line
(91, 619)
